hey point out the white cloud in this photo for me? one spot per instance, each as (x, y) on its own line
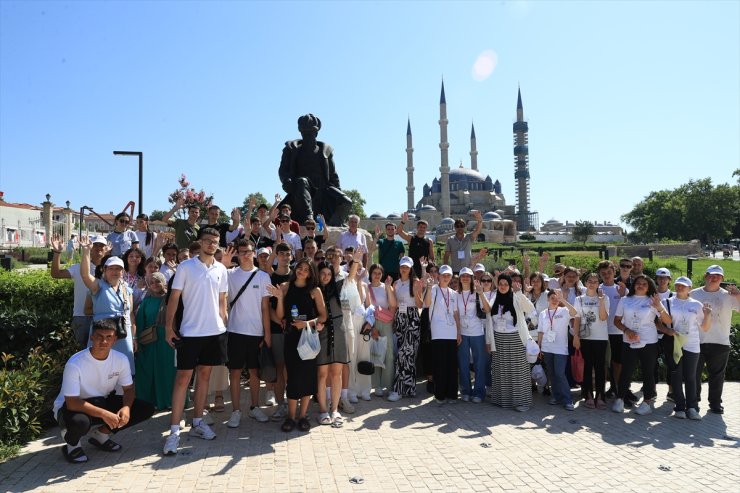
(484, 65)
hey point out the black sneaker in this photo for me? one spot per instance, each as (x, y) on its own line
(430, 387)
(610, 393)
(630, 397)
(628, 404)
(534, 388)
(717, 410)
(546, 391)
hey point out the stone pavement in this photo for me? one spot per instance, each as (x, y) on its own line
(413, 445)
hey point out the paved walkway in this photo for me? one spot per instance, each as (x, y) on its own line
(413, 446)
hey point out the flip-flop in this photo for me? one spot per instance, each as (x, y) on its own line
(107, 446)
(337, 421)
(304, 424)
(324, 419)
(77, 456)
(219, 408)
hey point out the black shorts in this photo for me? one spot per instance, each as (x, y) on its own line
(615, 344)
(243, 351)
(206, 351)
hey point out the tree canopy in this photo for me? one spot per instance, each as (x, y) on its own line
(695, 210)
(582, 230)
(358, 203)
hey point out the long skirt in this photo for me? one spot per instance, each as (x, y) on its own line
(407, 330)
(510, 373)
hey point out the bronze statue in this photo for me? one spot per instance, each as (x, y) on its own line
(309, 178)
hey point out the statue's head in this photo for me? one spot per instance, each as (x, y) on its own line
(309, 124)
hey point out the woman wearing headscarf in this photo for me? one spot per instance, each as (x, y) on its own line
(510, 373)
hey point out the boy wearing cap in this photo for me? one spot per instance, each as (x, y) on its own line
(419, 245)
(715, 343)
(665, 340)
(80, 322)
(390, 250)
(458, 248)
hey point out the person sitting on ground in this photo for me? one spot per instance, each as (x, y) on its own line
(87, 396)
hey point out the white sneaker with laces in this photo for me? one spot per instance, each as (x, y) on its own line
(393, 397)
(643, 409)
(207, 418)
(352, 397)
(693, 414)
(234, 419)
(171, 444)
(365, 396)
(379, 392)
(257, 414)
(270, 398)
(280, 413)
(346, 406)
(202, 431)
(618, 406)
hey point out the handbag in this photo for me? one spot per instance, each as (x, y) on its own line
(479, 309)
(382, 314)
(576, 366)
(148, 335)
(364, 365)
(378, 349)
(267, 370)
(309, 344)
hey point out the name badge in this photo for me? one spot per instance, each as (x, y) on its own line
(402, 307)
(461, 254)
(450, 319)
(550, 336)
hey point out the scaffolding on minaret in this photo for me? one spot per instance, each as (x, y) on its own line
(525, 219)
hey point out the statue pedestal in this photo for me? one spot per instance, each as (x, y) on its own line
(332, 234)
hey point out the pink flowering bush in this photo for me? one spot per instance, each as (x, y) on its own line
(190, 196)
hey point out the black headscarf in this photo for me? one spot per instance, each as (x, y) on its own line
(504, 302)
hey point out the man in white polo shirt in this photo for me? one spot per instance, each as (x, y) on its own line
(202, 282)
(248, 329)
(715, 343)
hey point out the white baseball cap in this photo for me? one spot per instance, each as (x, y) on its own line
(406, 262)
(114, 261)
(663, 272)
(466, 270)
(716, 269)
(264, 250)
(99, 239)
(445, 269)
(684, 280)
(479, 268)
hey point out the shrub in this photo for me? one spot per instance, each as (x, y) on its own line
(38, 260)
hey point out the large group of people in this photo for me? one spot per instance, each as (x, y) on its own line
(210, 305)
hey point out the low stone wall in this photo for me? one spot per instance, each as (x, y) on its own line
(663, 250)
(592, 238)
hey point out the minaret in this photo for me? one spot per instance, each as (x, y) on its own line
(444, 168)
(473, 149)
(409, 168)
(521, 166)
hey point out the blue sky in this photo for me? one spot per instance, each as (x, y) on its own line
(622, 98)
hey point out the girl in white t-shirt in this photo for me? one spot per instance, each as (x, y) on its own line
(473, 338)
(591, 335)
(689, 316)
(552, 337)
(444, 322)
(635, 317)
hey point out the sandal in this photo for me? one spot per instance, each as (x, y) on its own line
(77, 456)
(219, 407)
(304, 424)
(590, 403)
(107, 446)
(288, 425)
(600, 404)
(324, 419)
(337, 420)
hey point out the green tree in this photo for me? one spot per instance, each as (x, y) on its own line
(358, 203)
(582, 230)
(157, 215)
(258, 198)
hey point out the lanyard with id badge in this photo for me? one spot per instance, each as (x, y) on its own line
(550, 334)
(448, 316)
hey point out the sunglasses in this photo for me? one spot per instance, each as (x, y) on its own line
(486, 280)
(625, 266)
(124, 221)
(310, 228)
(319, 259)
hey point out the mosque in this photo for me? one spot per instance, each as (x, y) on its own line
(457, 191)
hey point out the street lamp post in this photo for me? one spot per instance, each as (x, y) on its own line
(141, 173)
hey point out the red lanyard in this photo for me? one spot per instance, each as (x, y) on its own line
(551, 317)
(447, 301)
(465, 303)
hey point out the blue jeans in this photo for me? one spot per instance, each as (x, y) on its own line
(556, 364)
(477, 346)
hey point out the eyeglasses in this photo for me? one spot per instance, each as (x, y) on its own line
(209, 242)
(246, 252)
(621, 266)
(310, 228)
(319, 259)
(331, 255)
(124, 221)
(486, 280)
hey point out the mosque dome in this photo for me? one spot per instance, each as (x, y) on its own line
(447, 220)
(428, 207)
(394, 216)
(376, 215)
(489, 216)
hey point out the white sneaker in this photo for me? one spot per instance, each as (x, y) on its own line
(270, 401)
(202, 431)
(379, 392)
(365, 396)
(352, 397)
(618, 406)
(171, 444)
(693, 414)
(280, 413)
(679, 414)
(257, 414)
(643, 409)
(393, 397)
(346, 406)
(234, 419)
(207, 418)
(477, 400)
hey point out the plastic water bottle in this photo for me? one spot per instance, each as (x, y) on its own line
(320, 223)
(294, 312)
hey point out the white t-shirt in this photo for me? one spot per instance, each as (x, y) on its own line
(294, 240)
(722, 303)
(638, 314)
(86, 377)
(167, 272)
(245, 316)
(142, 242)
(80, 290)
(379, 296)
(201, 287)
(403, 297)
(613, 295)
(553, 324)
(442, 313)
(588, 310)
(470, 324)
(502, 321)
(347, 239)
(687, 316)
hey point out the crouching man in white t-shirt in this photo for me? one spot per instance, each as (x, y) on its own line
(88, 397)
